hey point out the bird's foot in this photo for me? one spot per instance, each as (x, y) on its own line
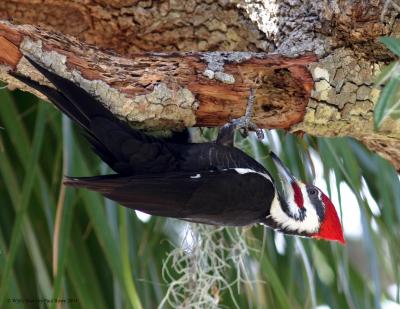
(244, 123)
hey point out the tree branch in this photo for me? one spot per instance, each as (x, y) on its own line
(167, 90)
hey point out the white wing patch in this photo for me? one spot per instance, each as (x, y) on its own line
(248, 170)
(195, 176)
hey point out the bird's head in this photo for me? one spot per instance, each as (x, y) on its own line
(303, 209)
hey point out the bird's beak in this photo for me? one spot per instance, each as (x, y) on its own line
(289, 182)
(283, 171)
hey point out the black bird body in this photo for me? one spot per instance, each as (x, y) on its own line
(209, 183)
(212, 197)
(212, 183)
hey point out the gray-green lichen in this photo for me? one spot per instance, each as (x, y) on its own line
(344, 97)
(163, 108)
(289, 26)
(216, 61)
(293, 28)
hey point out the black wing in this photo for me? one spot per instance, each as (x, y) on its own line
(129, 151)
(125, 150)
(220, 198)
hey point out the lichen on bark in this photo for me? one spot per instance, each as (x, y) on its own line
(132, 26)
(151, 111)
(343, 97)
(216, 61)
(343, 101)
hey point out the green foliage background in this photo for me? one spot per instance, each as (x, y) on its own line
(388, 105)
(108, 258)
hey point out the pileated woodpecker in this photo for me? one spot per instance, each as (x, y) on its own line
(211, 183)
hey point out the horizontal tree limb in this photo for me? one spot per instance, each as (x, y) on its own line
(167, 90)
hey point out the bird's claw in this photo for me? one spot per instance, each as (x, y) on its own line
(244, 123)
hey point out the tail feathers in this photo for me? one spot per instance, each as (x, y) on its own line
(58, 99)
(102, 184)
(82, 100)
(124, 149)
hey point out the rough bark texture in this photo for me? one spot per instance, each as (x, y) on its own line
(168, 90)
(129, 26)
(341, 33)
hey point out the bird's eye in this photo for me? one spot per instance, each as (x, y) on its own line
(312, 191)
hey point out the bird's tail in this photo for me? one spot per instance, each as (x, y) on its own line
(57, 98)
(102, 184)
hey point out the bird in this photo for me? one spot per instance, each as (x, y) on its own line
(212, 183)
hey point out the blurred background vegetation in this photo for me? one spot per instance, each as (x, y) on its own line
(73, 244)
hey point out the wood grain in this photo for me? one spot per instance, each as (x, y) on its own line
(282, 84)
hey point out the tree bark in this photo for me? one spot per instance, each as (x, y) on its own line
(167, 90)
(342, 34)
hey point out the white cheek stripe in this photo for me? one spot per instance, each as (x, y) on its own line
(293, 208)
(248, 170)
(310, 224)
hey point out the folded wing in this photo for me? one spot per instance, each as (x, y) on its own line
(208, 197)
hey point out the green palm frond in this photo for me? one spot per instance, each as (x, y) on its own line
(74, 245)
